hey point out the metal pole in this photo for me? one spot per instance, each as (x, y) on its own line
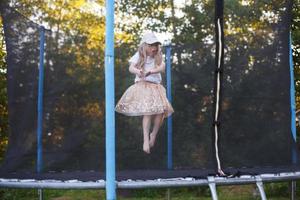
(293, 190)
(40, 102)
(168, 194)
(292, 91)
(39, 164)
(40, 193)
(110, 103)
(293, 115)
(169, 95)
(212, 187)
(260, 187)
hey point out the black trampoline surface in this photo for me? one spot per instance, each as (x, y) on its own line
(143, 175)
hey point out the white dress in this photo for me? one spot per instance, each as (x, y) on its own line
(146, 96)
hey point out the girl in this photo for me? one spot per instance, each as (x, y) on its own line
(147, 97)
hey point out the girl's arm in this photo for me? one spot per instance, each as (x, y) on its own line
(157, 69)
(135, 70)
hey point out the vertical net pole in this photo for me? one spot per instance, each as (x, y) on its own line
(293, 114)
(40, 102)
(40, 108)
(292, 91)
(110, 103)
(169, 95)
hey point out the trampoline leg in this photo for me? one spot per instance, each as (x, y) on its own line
(293, 190)
(260, 187)
(40, 193)
(168, 195)
(212, 187)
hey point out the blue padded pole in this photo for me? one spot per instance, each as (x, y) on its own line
(110, 103)
(293, 103)
(169, 95)
(40, 103)
(292, 91)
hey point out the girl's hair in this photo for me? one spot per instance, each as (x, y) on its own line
(142, 56)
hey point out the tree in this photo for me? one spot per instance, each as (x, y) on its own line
(296, 48)
(3, 95)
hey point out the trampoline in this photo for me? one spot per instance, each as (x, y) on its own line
(232, 89)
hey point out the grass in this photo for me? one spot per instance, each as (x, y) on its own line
(274, 191)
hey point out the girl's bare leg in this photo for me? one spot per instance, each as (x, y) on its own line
(158, 119)
(146, 130)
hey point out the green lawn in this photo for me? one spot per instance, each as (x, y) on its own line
(274, 191)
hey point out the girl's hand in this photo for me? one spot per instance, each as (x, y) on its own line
(148, 73)
(140, 73)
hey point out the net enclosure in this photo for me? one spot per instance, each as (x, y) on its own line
(230, 89)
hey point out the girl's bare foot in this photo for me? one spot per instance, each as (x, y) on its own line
(146, 147)
(152, 139)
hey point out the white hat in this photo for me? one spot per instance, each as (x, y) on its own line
(150, 38)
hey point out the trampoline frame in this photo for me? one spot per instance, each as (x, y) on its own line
(211, 181)
(157, 183)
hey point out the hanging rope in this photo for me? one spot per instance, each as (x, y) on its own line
(218, 99)
(218, 71)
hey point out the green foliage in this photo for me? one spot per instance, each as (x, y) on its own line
(32, 194)
(3, 95)
(274, 191)
(141, 15)
(296, 47)
(277, 189)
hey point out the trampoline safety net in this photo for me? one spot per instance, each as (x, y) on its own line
(254, 127)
